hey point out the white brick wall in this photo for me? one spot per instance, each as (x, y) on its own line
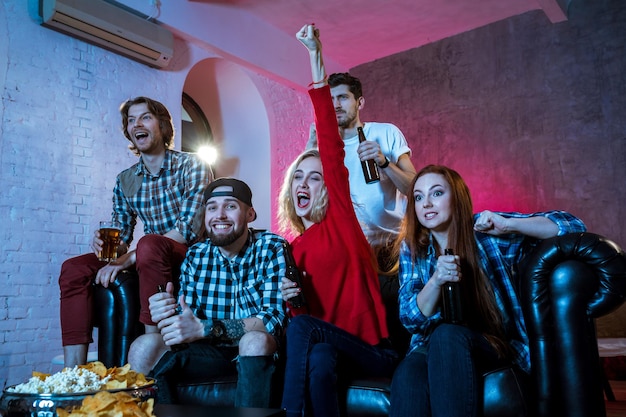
(60, 148)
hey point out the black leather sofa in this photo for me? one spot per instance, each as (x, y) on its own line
(116, 315)
(565, 283)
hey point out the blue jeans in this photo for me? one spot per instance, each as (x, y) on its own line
(320, 356)
(446, 379)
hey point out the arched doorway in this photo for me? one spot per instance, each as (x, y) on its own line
(240, 127)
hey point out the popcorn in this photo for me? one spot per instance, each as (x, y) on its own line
(68, 381)
(91, 377)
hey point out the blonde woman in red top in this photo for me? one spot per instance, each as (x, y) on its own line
(342, 327)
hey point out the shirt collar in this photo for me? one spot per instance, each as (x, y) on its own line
(165, 166)
(244, 249)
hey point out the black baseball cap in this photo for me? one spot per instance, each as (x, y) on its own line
(238, 189)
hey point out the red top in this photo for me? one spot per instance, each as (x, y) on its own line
(341, 284)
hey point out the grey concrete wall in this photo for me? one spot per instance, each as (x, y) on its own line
(532, 114)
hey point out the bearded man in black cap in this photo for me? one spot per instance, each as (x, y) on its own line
(229, 305)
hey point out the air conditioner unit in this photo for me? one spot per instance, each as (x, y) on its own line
(111, 27)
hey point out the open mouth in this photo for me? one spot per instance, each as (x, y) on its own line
(141, 135)
(303, 199)
(221, 226)
(429, 216)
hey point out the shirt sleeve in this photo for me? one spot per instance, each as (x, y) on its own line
(123, 213)
(566, 222)
(513, 247)
(396, 143)
(272, 311)
(196, 177)
(413, 277)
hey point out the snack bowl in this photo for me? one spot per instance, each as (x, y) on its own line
(18, 404)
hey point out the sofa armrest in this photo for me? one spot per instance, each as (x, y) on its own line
(565, 283)
(116, 315)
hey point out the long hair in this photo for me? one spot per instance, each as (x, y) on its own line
(159, 111)
(288, 220)
(481, 311)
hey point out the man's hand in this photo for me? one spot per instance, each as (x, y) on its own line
(180, 328)
(491, 223)
(162, 304)
(96, 243)
(370, 149)
(107, 274)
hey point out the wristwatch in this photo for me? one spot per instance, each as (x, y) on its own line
(217, 329)
(385, 164)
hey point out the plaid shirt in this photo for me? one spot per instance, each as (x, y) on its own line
(248, 285)
(165, 201)
(499, 256)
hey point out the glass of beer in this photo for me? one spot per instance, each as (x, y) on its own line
(110, 235)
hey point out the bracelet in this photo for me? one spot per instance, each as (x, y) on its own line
(323, 80)
(386, 164)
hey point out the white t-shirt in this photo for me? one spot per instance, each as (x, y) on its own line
(379, 206)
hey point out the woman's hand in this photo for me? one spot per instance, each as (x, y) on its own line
(289, 289)
(448, 269)
(309, 35)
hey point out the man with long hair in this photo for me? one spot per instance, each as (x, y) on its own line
(164, 189)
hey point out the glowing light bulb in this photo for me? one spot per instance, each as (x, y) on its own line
(208, 154)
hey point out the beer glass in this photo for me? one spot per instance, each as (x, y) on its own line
(110, 235)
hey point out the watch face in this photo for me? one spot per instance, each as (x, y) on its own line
(218, 329)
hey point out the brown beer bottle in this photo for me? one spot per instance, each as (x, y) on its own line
(452, 300)
(370, 168)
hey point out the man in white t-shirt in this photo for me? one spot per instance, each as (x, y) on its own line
(379, 205)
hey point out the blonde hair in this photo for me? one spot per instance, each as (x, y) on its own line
(288, 220)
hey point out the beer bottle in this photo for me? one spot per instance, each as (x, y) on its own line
(452, 300)
(370, 168)
(293, 273)
(180, 346)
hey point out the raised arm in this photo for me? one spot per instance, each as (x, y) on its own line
(309, 36)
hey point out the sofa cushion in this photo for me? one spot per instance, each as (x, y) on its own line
(215, 392)
(505, 393)
(368, 397)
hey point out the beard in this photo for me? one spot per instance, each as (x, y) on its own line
(345, 119)
(225, 239)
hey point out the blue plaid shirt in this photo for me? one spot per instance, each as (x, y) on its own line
(248, 285)
(499, 256)
(165, 201)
